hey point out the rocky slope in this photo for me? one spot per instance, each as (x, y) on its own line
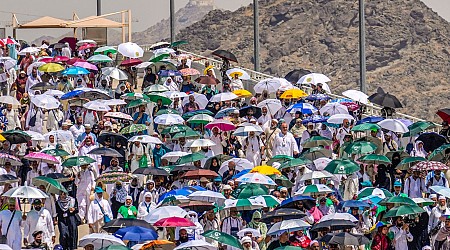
(406, 43)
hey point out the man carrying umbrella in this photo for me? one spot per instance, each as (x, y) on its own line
(12, 116)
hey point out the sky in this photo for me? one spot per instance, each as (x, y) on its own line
(145, 13)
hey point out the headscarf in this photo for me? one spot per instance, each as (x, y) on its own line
(65, 203)
(83, 143)
(121, 194)
(118, 91)
(253, 223)
(419, 152)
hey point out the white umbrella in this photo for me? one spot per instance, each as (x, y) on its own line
(272, 105)
(54, 93)
(288, 226)
(161, 51)
(270, 84)
(244, 131)
(145, 139)
(164, 212)
(119, 115)
(256, 178)
(45, 101)
(202, 143)
(200, 117)
(143, 65)
(314, 189)
(207, 196)
(175, 94)
(34, 65)
(316, 175)
(113, 102)
(339, 118)
(31, 50)
(25, 192)
(222, 97)
(356, 95)
(168, 119)
(99, 240)
(81, 42)
(159, 44)
(313, 78)
(285, 84)
(393, 125)
(241, 164)
(35, 136)
(8, 63)
(97, 106)
(174, 156)
(339, 216)
(321, 163)
(243, 75)
(115, 73)
(130, 50)
(200, 99)
(196, 244)
(9, 100)
(61, 136)
(254, 232)
(333, 108)
(5, 247)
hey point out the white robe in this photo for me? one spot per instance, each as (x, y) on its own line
(98, 159)
(253, 149)
(144, 208)
(218, 148)
(85, 184)
(13, 119)
(284, 144)
(54, 116)
(39, 221)
(76, 130)
(95, 213)
(38, 126)
(14, 235)
(90, 118)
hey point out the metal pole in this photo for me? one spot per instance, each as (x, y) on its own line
(99, 7)
(172, 21)
(256, 33)
(362, 48)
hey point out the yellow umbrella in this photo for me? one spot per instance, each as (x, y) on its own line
(242, 93)
(51, 67)
(265, 170)
(2, 138)
(293, 93)
(207, 69)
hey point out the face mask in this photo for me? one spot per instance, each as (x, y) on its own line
(119, 187)
(37, 208)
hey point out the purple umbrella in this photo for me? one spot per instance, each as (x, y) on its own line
(86, 65)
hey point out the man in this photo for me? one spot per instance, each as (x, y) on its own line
(37, 242)
(39, 219)
(415, 185)
(128, 211)
(90, 117)
(215, 185)
(253, 147)
(64, 85)
(297, 131)
(397, 188)
(33, 79)
(281, 242)
(442, 234)
(145, 206)
(308, 133)
(376, 140)
(227, 191)
(98, 212)
(11, 222)
(445, 131)
(284, 142)
(230, 172)
(429, 208)
(217, 138)
(441, 209)
(77, 129)
(401, 233)
(232, 224)
(12, 116)
(140, 117)
(87, 132)
(436, 178)
(270, 134)
(85, 182)
(183, 237)
(210, 222)
(265, 117)
(343, 131)
(246, 243)
(389, 145)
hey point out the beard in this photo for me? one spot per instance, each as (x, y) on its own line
(184, 239)
(443, 207)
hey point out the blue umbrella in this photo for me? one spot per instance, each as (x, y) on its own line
(167, 73)
(355, 203)
(136, 233)
(340, 100)
(72, 94)
(317, 97)
(315, 119)
(370, 119)
(245, 171)
(75, 71)
(182, 191)
(224, 112)
(305, 108)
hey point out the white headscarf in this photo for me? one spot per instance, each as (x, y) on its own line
(419, 152)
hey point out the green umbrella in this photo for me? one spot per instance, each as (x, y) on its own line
(418, 127)
(360, 147)
(133, 128)
(374, 159)
(344, 166)
(317, 141)
(368, 191)
(190, 158)
(133, 96)
(159, 58)
(176, 128)
(270, 200)
(190, 133)
(188, 115)
(99, 58)
(439, 153)
(406, 163)
(115, 247)
(56, 152)
(315, 153)
(282, 180)
(155, 97)
(397, 201)
(248, 190)
(137, 103)
(167, 111)
(178, 43)
(223, 238)
(200, 119)
(365, 127)
(52, 186)
(16, 136)
(280, 159)
(77, 161)
(294, 163)
(105, 50)
(155, 88)
(316, 189)
(403, 210)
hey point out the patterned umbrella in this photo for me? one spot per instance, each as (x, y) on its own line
(429, 165)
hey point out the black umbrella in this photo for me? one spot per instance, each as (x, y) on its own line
(296, 74)
(114, 225)
(256, 111)
(224, 54)
(103, 151)
(284, 213)
(431, 141)
(334, 224)
(113, 137)
(184, 168)
(58, 176)
(16, 136)
(43, 86)
(385, 99)
(152, 171)
(7, 178)
(344, 239)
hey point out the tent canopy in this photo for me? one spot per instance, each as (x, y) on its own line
(93, 22)
(44, 22)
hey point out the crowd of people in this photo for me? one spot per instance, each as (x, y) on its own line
(282, 163)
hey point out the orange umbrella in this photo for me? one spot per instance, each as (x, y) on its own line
(158, 244)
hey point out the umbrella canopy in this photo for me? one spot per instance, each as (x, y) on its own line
(146, 139)
(197, 156)
(393, 125)
(333, 108)
(316, 141)
(51, 67)
(75, 71)
(339, 118)
(242, 93)
(7, 178)
(241, 164)
(368, 191)
(189, 72)
(41, 157)
(4, 158)
(356, 95)
(207, 80)
(169, 119)
(294, 75)
(270, 85)
(316, 189)
(45, 101)
(355, 203)
(77, 161)
(202, 143)
(267, 200)
(119, 115)
(52, 186)
(374, 159)
(105, 50)
(344, 166)
(294, 163)
(313, 78)
(158, 244)
(196, 174)
(222, 97)
(347, 239)
(43, 86)
(98, 240)
(293, 93)
(439, 153)
(397, 201)
(99, 58)
(239, 73)
(223, 238)
(174, 222)
(430, 166)
(151, 171)
(272, 105)
(244, 204)
(130, 62)
(288, 226)
(305, 108)
(224, 54)
(431, 141)
(385, 99)
(97, 106)
(200, 119)
(360, 147)
(164, 212)
(248, 190)
(366, 127)
(136, 233)
(223, 125)
(105, 152)
(207, 196)
(407, 162)
(256, 178)
(196, 244)
(173, 156)
(265, 170)
(25, 192)
(133, 128)
(114, 73)
(403, 210)
(113, 137)
(16, 136)
(283, 213)
(316, 175)
(444, 114)
(9, 100)
(418, 127)
(130, 50)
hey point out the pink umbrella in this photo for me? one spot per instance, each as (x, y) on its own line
(350, 105)
(174, 222)
(86, 65)
(131, 62)
(223, 125)
(87, 46)
(74, 60)
(41, 157)
(46, 59)
(58, 59)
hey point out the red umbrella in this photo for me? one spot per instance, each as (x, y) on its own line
(58, 59)
(87, 46)
(351, 105)
(174, 222)
(195, 174)
(444, 114)
(46, 59)
(72, 61)
(131, 62)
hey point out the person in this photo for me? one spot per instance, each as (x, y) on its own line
(284, 142)
(381, 241)
(389, 145)
(183, 237)
(39, 219)
(38, 242)
(269, 134)
(230, 172)
(11, 222)
(128, 211)
(442, 235)
(233, 223)
(149, 78)
(158, 152)
(281, 242)
(210, 222)
(136, 154)
(118, 198)
(434, 221)
(194, 232)
(191, 105)
(402, 236)
(297, 131)
(219, 141)
(146, 206)
(376, 140)
(343, 131)
(141, 117)
(12, 116)
(436, 178)
(99, 212)
(261, 227)
(85, 182)
(445, 131)
(246, 243)
(253, 147)
(67, 221)
(418, 150)
(415, 185)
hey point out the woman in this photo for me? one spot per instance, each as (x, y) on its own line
(20, 84)
(68, 221)
(215, 166)
(381, 241)
(418, 150)
(170, 84)
(256, 223)
(119, 148)
(118, 198)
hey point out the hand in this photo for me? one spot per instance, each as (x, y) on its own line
(71, 209)
(147, 123)
(24, 217)
(53, 239)
(91, 226)
(25, 242)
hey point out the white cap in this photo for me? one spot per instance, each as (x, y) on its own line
(426, 248)
(246, 239)
(87, 125)
(148, 194)
(226, 187)
(433, 196)
(108, 124)
(129, 197)
(441, 197)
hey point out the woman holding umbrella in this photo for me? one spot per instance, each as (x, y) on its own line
(68, 221)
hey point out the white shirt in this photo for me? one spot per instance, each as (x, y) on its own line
(341, 133)
(218, 148)
(13, 119)
(284, 144)
(76, 130)
(14, 236)
(435, 214)
(401, 237)
(414, 188)
(95, 213)
(144, 208)
(39, 221)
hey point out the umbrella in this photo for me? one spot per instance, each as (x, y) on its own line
(115, 247)
(9, 100)
(146, 139)
(374, 159)
(256, 178)
(431, 141)
(42, 86)
(360, 147)
(241, 74)
(272, 105)
(254, 232)
(54, 92)
(197, 112)
(196, 174)
(57, 176)
(173, 156)
(267, 200)
(224, 54)
(303, 107)
(348, 239)
(288, 226)
(294, 75)
(196, 244)
(315, 119)
(248, 190)
(133, 128)
(356, 95)
(97, 106)
(119, 115)
(103, 151)
(207, 80)
(164, 212)
(242, 93)
(186, 134)
(333, 108)
(114, 73)
(175, 129)
(35, 136)
(439, 153)
(60, 136)
(189, 72)
(175, 94)
(316, 152)
(293, 94)
(316, 141)
(355, 203)
(200, 99)
(87, 46)
(207, 196)
(45, 101)
(243, 204)
(265, 170)
(316, 175)
(99, 58)
(316, 189)
(52, 186)
(343, 166)
(368, 191)
(113, 137)
(385, 99)
(169, 119)
(223, 238)
(429, 165)
(130, 62)
(270, 85)
(4, 158)
(137, 103)
(200, 119)
(283, 213)
(403, 210)
(444, 114)
(393, 125)
(25, 192)
(174, 222)
(151, 171)
(136, 233)
(157, 58)
(407, 162)
(418, 127)
(241, 164)
(41, 157)
(158, 244)
(202, 143)
(86, 65)
(445, 191)
(169, 73)
(77, 161)
(400, 153)
(365, 127)
(317, 97)
(86, 93)
(197, 156)
(313, 78)
(16, 136)
(222, 97)
(105, 50)
(339, 118)
(130, 50)
(397, 201)
(99, 240)
(51, 67)
(31, 50)
(280, 159)
(75, 71)
(334, 223)
(223, 125)
(7, 178)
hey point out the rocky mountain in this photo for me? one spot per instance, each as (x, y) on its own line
(406, 45)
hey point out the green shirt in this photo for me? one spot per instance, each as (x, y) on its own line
(128, 212)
